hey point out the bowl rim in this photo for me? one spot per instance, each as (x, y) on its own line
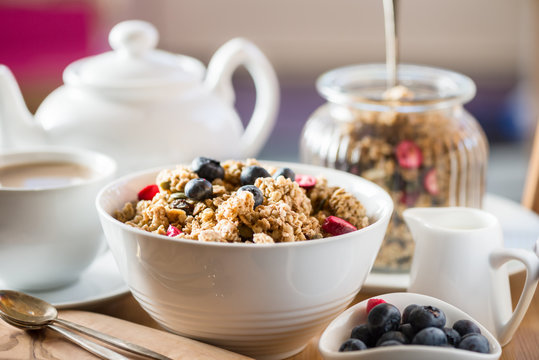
(384, 214)
(329, 353)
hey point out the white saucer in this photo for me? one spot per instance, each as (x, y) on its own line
(101, 281)
(520, 230)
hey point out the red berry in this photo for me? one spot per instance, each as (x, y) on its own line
(409, 198)
(305, 181)
(173, 231)
(409, 155)
(372, 303)
(431, 183)
(148, 192)
(336, 226)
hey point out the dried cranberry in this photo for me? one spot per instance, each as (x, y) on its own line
(409, 155)
(372, 303)
(148, 192)
(430, 182)
(336, 226)
(305, 181)
(409, 198)
(173, 231)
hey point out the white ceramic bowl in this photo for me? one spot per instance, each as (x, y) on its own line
(339, 331)
(265, 301)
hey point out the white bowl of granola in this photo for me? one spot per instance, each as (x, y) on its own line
(256, 277)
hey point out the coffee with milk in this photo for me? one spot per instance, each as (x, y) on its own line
(38, 175)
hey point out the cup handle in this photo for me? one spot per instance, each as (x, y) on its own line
(224, 62)
(499, 257)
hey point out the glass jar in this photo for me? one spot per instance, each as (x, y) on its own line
(423, 147)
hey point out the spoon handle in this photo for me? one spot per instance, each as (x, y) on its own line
(111, 340)
(392, 42)
(92, 347)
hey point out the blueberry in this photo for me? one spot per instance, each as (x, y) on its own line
(464, 327)
(426, 316)
(408, 331)
(430, 336)
(383, 318)
(453, 337)
(352, 345)
(392, 336)
(198, 189)
(390, 343)
(257, 194)
(286, 172)
(208, 169)
(249, 174)
(475, 342)
(361, 332)
(407, 311)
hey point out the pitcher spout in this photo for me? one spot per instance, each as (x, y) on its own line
(444, 219)
(417, 220)
(17, 126)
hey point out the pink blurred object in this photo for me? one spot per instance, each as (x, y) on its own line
(38, 40)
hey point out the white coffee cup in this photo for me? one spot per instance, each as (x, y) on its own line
(50, 233)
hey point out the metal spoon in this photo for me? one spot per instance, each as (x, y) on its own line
(92, 347)
(28, 312)
(392, 44)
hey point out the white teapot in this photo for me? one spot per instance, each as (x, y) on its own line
(146, 107)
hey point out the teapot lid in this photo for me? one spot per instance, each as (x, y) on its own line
(134, 62)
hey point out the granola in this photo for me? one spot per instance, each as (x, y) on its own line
(287, 213)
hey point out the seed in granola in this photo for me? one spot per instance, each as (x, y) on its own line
(178, 195)
(257, 194)
(249, 174)
(165, 185)
(246, 233)
(286, 172)
(182, 204)
(208, 169)
(198, 189)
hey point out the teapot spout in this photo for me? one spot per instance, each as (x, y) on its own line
(17, 126)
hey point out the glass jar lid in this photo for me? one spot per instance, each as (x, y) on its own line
(363, 86)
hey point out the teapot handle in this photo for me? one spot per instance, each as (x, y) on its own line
(531, 261)
(228, 57)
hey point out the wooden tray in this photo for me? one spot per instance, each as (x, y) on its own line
(16, 344)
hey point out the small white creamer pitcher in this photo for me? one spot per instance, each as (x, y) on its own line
(459, 258)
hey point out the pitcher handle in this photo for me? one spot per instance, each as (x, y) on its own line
(531, 261)
(224, 62)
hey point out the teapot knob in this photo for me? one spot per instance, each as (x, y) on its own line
(134, 37)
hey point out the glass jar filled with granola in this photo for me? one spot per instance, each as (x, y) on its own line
(416, 140)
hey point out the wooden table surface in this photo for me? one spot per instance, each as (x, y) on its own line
(524, 346)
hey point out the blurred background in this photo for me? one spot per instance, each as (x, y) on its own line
(492, 41)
